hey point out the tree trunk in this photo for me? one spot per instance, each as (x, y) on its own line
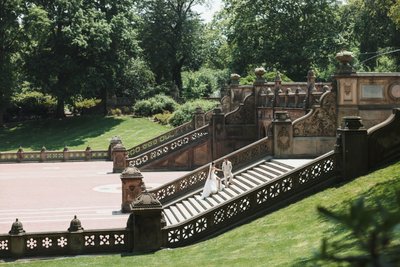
(177, 77)
(104, 100)
(60, 108)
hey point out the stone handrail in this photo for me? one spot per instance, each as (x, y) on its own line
(160, 151)
(320, 172)
(161, 139)
(48, 156)
(65, 243)
(196, 178)
(384, 141)
(165, 137)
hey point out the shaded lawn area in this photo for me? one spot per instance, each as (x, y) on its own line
(287, 237)
(78, 133)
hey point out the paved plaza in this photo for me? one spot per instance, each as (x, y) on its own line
(46, 196)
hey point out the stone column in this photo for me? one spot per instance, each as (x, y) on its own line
(282, 134)
(119, 154)
(113, 142)
(132, 181)
(146, 222)
(76, 242)
(354, 148)
(17, 239)
(199, 118)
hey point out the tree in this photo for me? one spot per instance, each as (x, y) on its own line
(60, 61)
(170, 37)
(290, 35)
(10, 38)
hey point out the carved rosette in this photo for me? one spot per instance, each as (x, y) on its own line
(321, 121)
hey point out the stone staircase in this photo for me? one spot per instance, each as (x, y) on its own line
(244, 180)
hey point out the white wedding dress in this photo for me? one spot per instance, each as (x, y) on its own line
(211, 185)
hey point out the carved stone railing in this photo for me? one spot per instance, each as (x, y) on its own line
(51, 156)
(65, 243)
(161, 139)
(320, 121)
(320, 172)
(186, 140)
(196, 178)
(384, 141)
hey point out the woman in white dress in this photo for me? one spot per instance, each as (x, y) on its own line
(211, 185)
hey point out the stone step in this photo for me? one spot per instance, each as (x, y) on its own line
(276, 167)
(266, 175)
(254, 176)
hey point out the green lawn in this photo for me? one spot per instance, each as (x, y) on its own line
(78, 133)
(287, 237)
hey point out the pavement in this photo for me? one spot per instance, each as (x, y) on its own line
(46, 196)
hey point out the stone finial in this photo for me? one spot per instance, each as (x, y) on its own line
(65, 149)
(146, 200)
(269, 91)
(235, 78)
(115, 140)
(198, 110)
(75, 225)
(88, 148)
(43, 149)
(20, 150)
(131, 172)
(278, 78)
(260, 71)
(17, 228)
(345, 58)
(217, 110)
(352, 123)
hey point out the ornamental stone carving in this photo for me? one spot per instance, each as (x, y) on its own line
(245, 114)
(321, 121)
(283, 138)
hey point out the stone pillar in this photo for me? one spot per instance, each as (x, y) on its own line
(199, 118)
(282, 134)
(75, 242)
(65, 153)
(354, 147)
(43, 155)
(17, 239)
(218, 132)
(20, 154)
(236, 92)
(88, 153)
(132, 181)
(113, 142)
(119, 154)
(146, 222)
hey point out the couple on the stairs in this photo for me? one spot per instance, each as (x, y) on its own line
(213, 182)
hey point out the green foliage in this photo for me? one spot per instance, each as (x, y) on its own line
(116, 112)
(162, 118)
(154, 105)
(269, 77)
(372, 234)
(84, 105)
(203, 82)
(184, 113)
(31, 104)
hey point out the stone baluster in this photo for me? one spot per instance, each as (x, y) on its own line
(88, 153)
(65, 153)
(43, 155)
(282, 134)
(113, 142)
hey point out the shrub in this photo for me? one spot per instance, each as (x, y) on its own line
(162, 118)
(158, 104)
(87, 105)
(184, 113)
(203, 83)
(116, 112)
(31, 104)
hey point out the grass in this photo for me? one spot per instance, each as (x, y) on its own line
(287, 237)
(78, 133)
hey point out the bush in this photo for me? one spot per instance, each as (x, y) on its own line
(184, 113)
(154, 105)
(269, 77)
(203, 83)
(87, 105)
(162, 118)
(116, 112)
(31, 104)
